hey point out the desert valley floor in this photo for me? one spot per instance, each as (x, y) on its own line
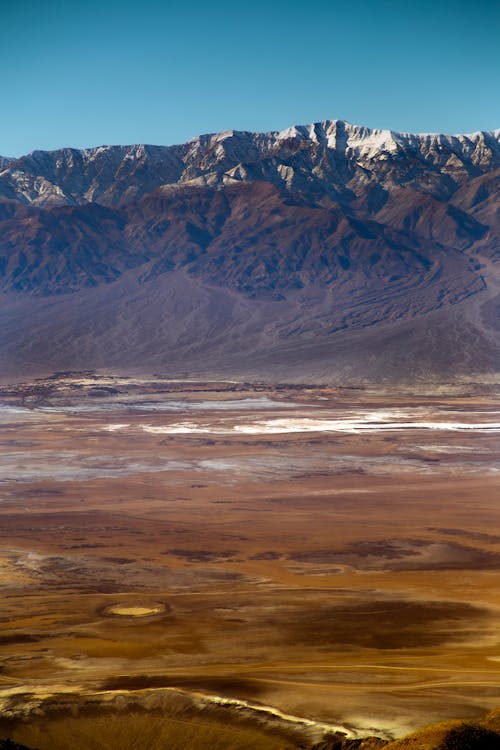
(313, 556)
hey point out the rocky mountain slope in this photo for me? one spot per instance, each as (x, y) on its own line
(321, 252)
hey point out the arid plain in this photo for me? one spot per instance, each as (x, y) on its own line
(329, 554)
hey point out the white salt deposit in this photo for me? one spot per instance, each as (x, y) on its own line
(371, 422)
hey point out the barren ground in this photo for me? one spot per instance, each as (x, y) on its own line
(331, 553)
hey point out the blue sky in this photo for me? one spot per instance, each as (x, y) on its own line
(83, 74)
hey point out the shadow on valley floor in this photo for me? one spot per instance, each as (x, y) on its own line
(224, 686)
(79, 726)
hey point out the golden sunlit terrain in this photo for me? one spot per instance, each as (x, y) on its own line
(270, 563)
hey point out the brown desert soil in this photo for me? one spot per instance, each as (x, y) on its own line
(157, 539)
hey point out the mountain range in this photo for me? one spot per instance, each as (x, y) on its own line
(326, 252)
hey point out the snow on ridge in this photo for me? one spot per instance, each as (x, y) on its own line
(321, 131)
(73, 176)
(344, 136)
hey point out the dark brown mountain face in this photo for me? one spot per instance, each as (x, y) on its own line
(322, 252)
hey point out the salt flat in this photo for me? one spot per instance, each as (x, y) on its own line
(330, 554)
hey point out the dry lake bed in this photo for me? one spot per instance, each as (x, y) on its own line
(320, 557)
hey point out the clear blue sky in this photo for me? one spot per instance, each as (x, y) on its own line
(144, 71)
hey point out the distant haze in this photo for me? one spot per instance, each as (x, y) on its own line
(83, 74)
